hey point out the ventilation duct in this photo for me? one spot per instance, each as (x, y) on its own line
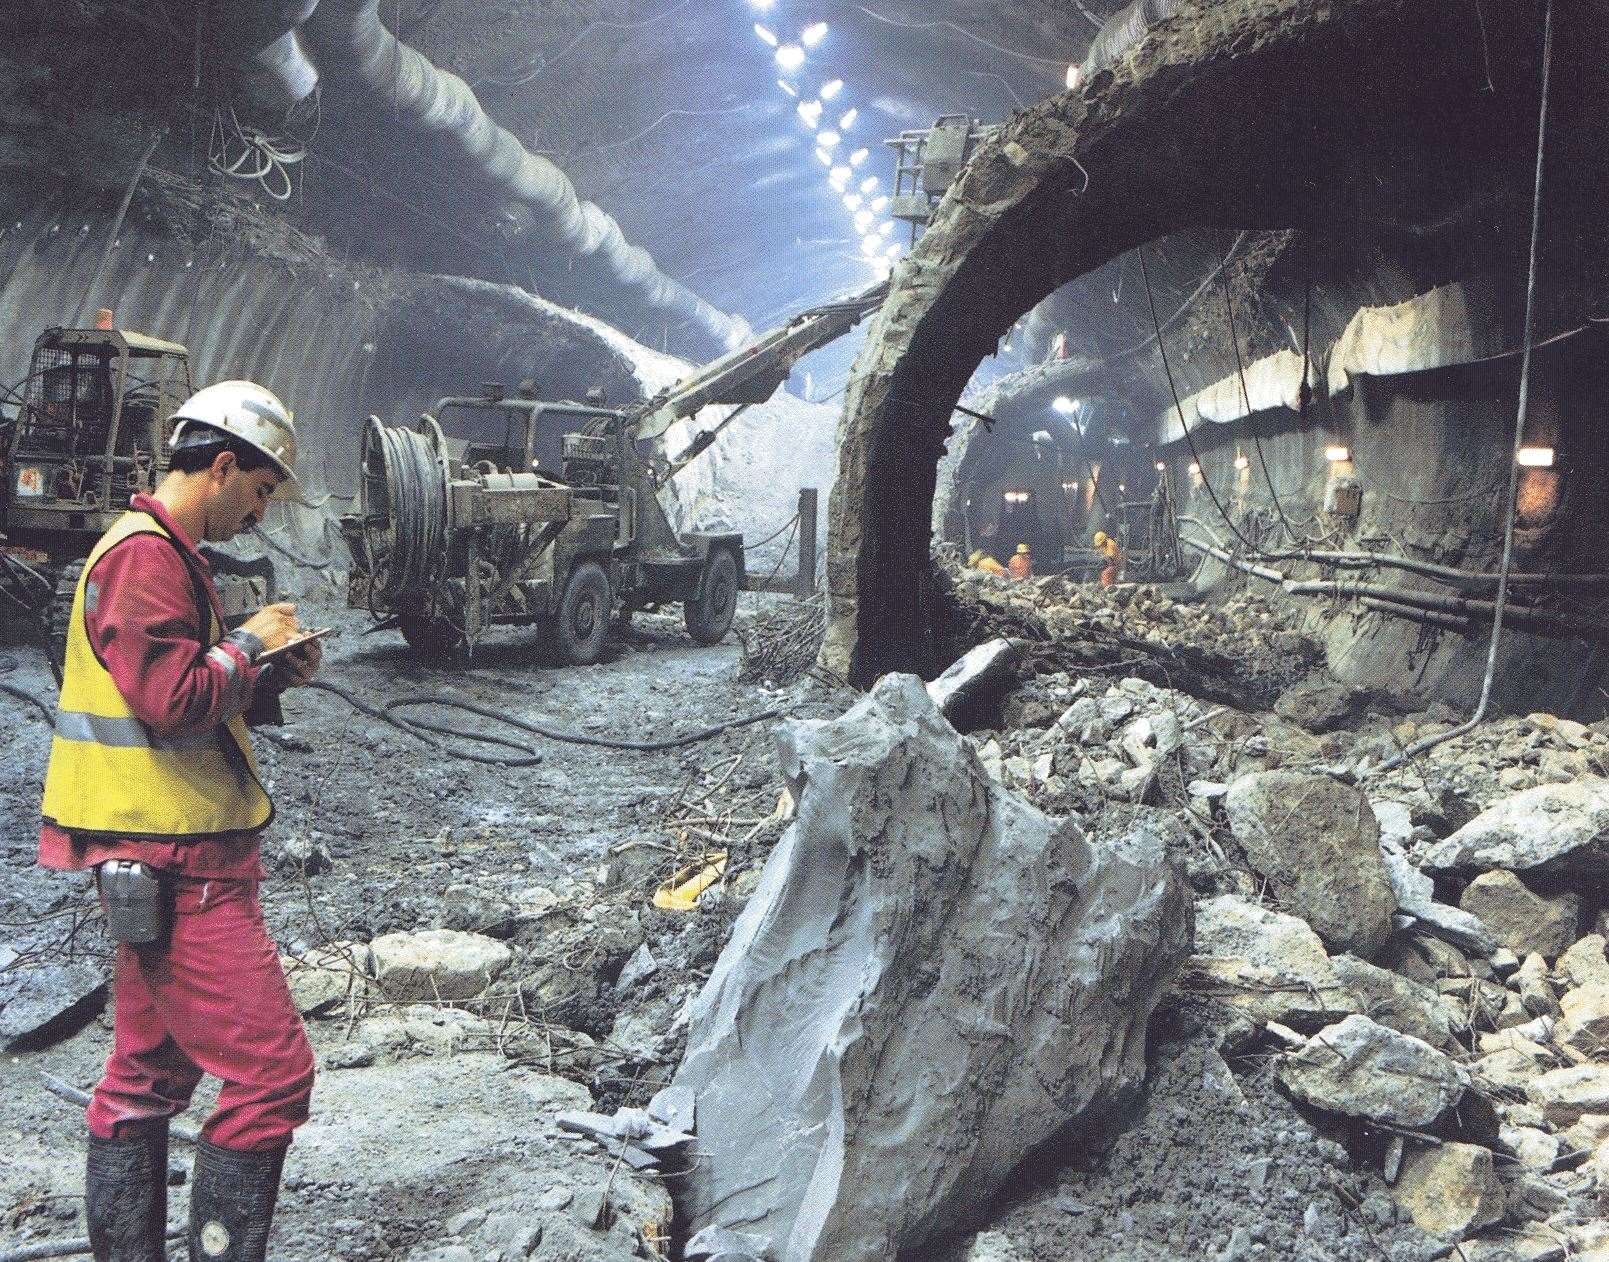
(348, 37)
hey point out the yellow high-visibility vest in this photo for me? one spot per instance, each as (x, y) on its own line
(111, 776)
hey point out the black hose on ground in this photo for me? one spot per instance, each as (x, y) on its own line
(428, 732)
(9, 664)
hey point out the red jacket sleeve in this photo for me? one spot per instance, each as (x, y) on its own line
(141, 615)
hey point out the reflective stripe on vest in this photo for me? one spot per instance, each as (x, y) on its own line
(110, 775)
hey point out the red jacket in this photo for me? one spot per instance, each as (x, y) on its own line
(144, 625)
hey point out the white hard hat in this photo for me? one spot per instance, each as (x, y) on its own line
(249, 412)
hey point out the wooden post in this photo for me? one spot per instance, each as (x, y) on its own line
(804, 583)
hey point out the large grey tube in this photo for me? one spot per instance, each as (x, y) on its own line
(274, 64)
(348, 35)
(1123, 32)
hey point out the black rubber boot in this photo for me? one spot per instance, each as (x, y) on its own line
(232, 1203)
(126, 1197)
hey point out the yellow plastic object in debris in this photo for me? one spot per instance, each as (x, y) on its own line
(682, 891)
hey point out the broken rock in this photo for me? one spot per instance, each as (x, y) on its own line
(1568, 1094)
(867, 1072)
(1585, 962)
(1361, 1069)
(1266, 965)
(1317, 842)
(1521, 919)
(437, 964)
(1396, 1002)
(1450, 1189)
(1553, 830)
(1583, 1033)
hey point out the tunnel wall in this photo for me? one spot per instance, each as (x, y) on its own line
(1431, 452)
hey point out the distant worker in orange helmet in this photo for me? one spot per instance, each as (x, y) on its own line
(1022, 563)
(1107, 547)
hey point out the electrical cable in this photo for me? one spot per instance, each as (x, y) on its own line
(1245, 394)
(428, 732)
(1150, 302)
(1474, 720)
(750, 547)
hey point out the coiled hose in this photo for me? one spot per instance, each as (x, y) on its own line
(403, 482)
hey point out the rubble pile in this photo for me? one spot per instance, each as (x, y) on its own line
(780, 643)
(1245, 650)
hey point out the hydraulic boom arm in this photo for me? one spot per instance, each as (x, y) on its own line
(752, 373)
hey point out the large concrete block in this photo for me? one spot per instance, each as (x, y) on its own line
(932, 980)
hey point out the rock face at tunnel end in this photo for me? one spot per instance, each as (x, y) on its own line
(932, 980)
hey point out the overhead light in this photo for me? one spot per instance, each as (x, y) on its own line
(831, 89)
(1064, 406)
(885, 229)
(827, 139)
(1121, 487)
(1241, 462)
(871, 246)
(767, 34)
(826, 158)
(762, 5)
(841, 173)
(848, 120)
(869, 183)
(863, 220)
(878, 203)
(1195, 470)
(892, 248)
(810, 111)
(787, 87)
(1069, 486)
(1015, 497)
(859, 156)
(853, 200)
(1075, 75)
(1536, 457)
(813, 34)
(1160, 467)
(1337, 455)
(790, 57)
(837, 181)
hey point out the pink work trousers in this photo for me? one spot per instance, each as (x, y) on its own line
(213, 1000)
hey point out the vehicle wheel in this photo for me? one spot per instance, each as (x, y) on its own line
(60, 615)
(709, 614)
(583, 620)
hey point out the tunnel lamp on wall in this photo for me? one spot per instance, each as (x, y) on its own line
(1536, 457)
(828, 139)
(1063, 406)
(1074, 75)
(1160, 467)
(764, 6)
(1069, 486)
(813, 34)
(859, 156)
(766, 34)
(848, 119)
(1242, 462)
(1121, 486)
(1016, 497)
(831, 89)
(1337, 455)
(1195, 470)
(790, 57)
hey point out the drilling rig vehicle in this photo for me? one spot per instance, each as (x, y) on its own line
(92, 429)
(461, 523)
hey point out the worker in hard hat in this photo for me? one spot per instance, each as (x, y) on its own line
(153, 786)
(981, 560)
(1021, 564)
(1113, 554)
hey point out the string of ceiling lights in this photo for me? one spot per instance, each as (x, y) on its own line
(823, 104)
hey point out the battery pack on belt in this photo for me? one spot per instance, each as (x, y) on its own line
(134, 899)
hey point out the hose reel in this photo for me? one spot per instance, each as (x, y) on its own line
(403, 502)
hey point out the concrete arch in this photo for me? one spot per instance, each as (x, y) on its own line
(1362, 117)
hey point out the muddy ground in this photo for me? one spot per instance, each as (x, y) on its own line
(434, 1136)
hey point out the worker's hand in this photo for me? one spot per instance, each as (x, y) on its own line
(274, 625)
(301, 663)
